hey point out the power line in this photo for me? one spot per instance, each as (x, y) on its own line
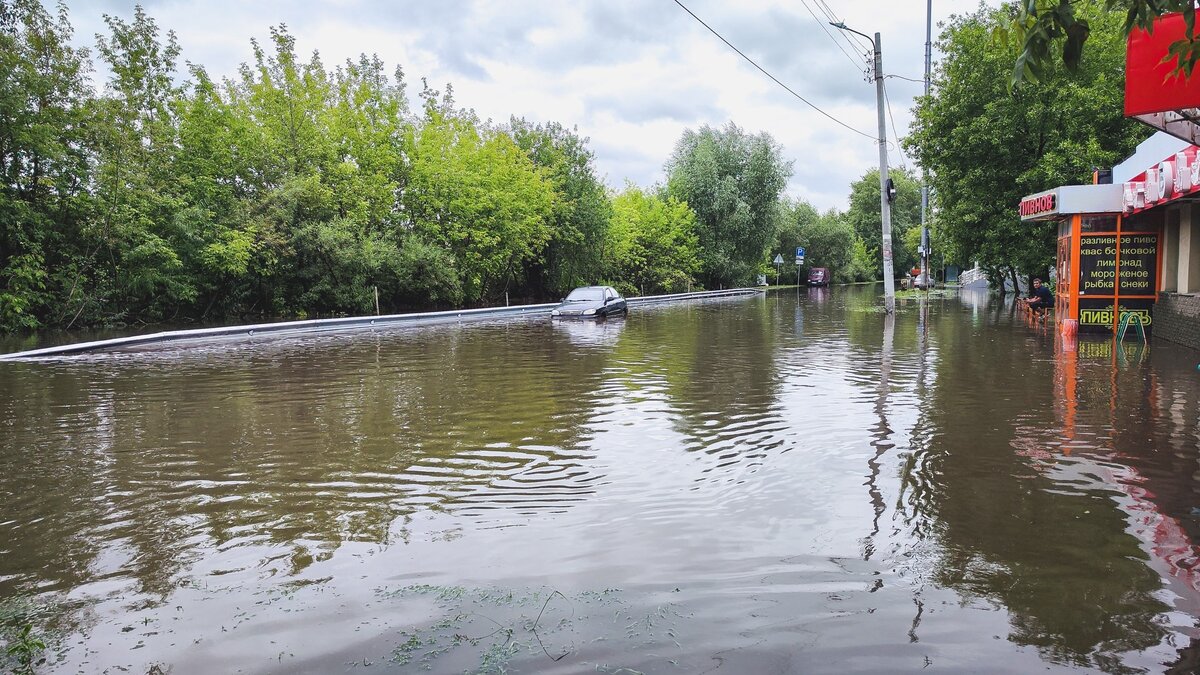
(833, 18)
(855, 40)
(910, 79)
(773, 78)
(831, 37)
(899, 147)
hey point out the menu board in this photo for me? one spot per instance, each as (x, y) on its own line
(1139, 263)
(1098, 264)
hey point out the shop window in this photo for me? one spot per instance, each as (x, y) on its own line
(1146, 221)
(1091, 224)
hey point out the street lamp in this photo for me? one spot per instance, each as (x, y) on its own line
(885, 202)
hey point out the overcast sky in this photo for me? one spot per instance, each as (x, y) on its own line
(631, 75)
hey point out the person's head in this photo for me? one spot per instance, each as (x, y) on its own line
(1037, 283)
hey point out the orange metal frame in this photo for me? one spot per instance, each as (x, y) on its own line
(1068, 284)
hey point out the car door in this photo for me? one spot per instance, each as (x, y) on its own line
(617, 304)
(608, 307)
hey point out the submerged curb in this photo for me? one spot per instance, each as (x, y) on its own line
(345, 323)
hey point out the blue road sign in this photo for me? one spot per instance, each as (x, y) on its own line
(799, 251)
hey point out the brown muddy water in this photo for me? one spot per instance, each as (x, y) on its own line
(792, 483)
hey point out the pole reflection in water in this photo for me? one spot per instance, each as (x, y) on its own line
(881, 433)
(789, 483)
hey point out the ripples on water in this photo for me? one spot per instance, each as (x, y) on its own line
(793, 483)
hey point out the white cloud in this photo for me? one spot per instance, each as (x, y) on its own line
(632, 76)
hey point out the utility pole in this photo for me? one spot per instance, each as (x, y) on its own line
(885, 192)
(924, 171)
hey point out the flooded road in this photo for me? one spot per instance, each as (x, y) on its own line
(788, 483)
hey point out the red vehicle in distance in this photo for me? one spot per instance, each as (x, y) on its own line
(818, 276)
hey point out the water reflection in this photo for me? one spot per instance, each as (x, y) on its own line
(898, 489)
(1017, 483)
(603, 333)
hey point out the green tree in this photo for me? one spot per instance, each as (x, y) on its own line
(652, 246)
(828, 240)
(216, 183)
(793, 218)
(579, 223)
(365, 121)
(43, 162)
(1041, 26)
(732, 180)
(862, 265)
(865, 217)
(344, 255)
(986, 149)
(474, 192)
(291, 174)
(138, 269)
(830, 244)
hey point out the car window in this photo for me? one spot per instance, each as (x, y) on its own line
(582, 294)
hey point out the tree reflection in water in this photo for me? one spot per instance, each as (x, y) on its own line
(776, 467)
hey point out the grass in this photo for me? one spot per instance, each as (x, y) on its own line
(490, 627)
(24, 646)
(911, 293)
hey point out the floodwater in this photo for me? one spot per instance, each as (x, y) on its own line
(790, 483)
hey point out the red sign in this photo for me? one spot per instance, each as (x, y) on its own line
(1150, 86)
(1038, 205)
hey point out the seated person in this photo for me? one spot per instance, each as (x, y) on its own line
(1040, 297)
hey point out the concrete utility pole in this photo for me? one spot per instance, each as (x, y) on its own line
(885, 196)
(924, 172)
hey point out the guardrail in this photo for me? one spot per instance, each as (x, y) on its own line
(345, 323)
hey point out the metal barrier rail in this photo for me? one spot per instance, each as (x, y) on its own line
(325, 325)
(671, 297)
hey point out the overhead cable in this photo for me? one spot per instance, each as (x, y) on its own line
(853, 39)
(773, 78)
(856, 62)
(899, 147)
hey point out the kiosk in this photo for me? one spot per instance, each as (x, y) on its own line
(1108, 261)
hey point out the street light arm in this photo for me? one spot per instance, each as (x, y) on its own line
(841, 26)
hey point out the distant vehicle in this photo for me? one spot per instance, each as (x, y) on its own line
(591, 302)
(818, 276)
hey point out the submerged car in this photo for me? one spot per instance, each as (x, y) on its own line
(591, 302)
(818, 276)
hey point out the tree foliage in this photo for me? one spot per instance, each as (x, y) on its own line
(865, 216)
(1040, 27)
(829, 241)
(580, 218)
(43, 170)
(652, 244)
(733, 180)
(986, 148)
(294, 188)
(473, 191)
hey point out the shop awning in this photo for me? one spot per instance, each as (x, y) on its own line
(1070, 199)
